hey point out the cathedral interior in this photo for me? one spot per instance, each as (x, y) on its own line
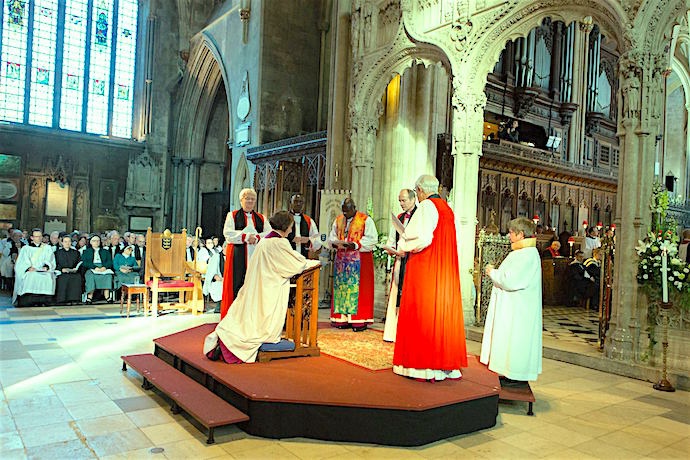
(129, 114)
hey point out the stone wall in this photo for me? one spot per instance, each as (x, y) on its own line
(95, 167)
(290, 68)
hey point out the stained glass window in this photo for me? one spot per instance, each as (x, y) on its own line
(43, 63)
(69, 64)
(74, 44)
(15, 34)
(124, 67)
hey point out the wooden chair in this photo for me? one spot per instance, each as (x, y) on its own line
(166, 270)
(301, 323)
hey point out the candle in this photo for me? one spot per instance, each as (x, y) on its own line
(664, 277)
(388, 263)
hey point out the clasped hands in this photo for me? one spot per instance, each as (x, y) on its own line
(252, 239)
(300, 239)
(394, 252)
(488, 269)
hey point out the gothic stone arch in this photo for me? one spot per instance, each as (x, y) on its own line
(203, 76)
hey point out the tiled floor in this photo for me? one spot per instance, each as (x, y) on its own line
(64, 396)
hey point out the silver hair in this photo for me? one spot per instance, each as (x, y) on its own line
(113, 232)
(247, 191)
(427, 184)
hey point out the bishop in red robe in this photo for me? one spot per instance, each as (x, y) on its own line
(430, 340)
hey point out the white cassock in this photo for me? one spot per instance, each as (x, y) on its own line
(391, 326)
(213, 288)
(6, 266)
(314, 235)
(590, 245)
(204, 254)
(257, 315)
(42, 280)
(512, 342)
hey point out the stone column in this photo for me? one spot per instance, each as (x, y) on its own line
(363, 145)
(640, 94)
(576, 135)
(468, 117)
(175, 190)
(186, 163)
(337, 147)
(194, 202)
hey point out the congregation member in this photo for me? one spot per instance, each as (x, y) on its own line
(98, 267)
(126, 267)
(407, 200)
(592, 242)
(189, 249)
(580, 282)
(512, 340)
(593, 267)
(115, 245)
(34, 280)
(213, 281)
(68, 285)
(216, 245)
(140, 248)
(353, 236)
(130, 238)
(54, 240)
(430, 340)
(46, 238)
(243, 229)
(257, 314)
(82, 243)
(10, 250)
(553, 251)
(304, 236)
(206, 251)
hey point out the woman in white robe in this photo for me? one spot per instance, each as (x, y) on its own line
(257, 314)
(512, 342)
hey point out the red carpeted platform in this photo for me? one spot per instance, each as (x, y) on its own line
(327, 398)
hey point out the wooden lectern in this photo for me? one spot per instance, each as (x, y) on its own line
(301, 323)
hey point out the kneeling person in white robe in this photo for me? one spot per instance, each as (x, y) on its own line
(257, 314)
(34, 268)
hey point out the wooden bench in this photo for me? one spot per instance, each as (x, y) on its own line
(523, 394)
(207, 408)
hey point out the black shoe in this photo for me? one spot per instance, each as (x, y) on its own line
(359, 328)
(340, 325)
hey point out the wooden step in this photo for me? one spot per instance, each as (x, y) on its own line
(207, 408)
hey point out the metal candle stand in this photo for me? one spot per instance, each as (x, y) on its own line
(664, 384)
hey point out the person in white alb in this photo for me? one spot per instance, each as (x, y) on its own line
(407, 199)
(33, 270)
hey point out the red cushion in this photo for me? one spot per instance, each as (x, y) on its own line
(169, 284)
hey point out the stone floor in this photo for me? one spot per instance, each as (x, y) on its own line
(64, 396)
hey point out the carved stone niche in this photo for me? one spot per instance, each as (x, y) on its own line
(143, 182)
(592, 122)
(566, 111)
(524, 100)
